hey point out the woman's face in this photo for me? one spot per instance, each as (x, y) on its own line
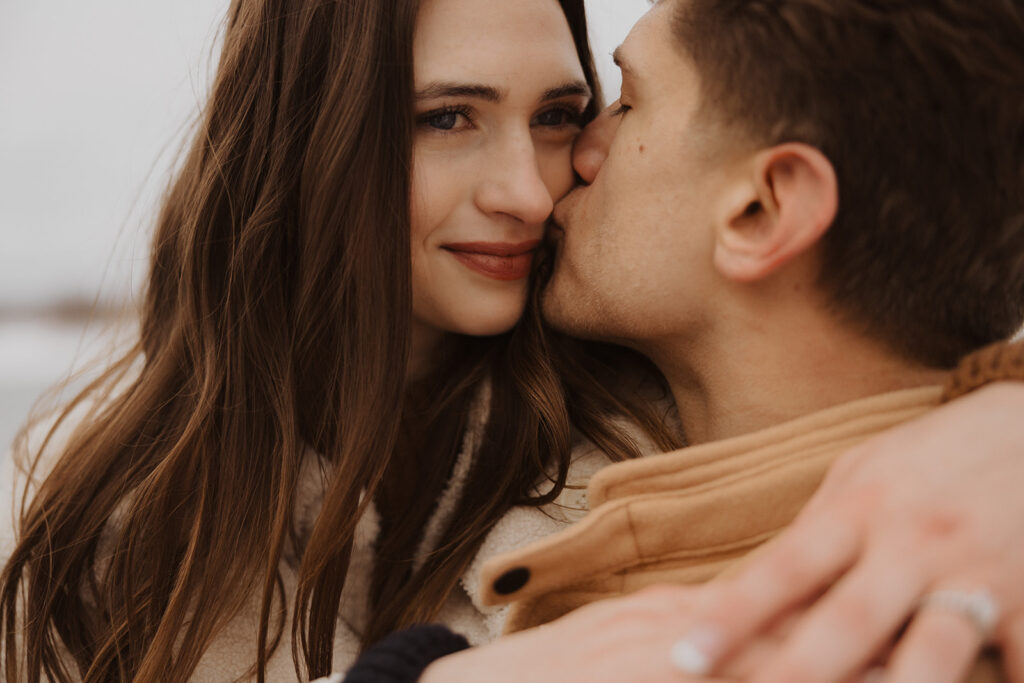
(499, 96)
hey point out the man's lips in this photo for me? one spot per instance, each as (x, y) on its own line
(564, 206)
(497, 260)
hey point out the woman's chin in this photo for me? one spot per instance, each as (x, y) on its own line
(487, 323)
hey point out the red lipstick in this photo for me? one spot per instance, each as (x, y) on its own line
(497, 260)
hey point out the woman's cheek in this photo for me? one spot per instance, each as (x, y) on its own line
(433, 189)
(556, 170)
(419, 201)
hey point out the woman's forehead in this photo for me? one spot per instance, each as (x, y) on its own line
(494, 42)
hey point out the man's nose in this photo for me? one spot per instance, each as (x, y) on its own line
(592, 145)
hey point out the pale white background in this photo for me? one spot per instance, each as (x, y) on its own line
(94, 97)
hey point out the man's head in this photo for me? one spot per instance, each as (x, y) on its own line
(872, 152)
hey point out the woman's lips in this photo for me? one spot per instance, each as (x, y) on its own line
(497, 260)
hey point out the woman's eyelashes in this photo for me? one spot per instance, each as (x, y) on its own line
(457, 118)
(448, 119)
(559, 117)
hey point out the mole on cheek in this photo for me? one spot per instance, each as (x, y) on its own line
(642, 148)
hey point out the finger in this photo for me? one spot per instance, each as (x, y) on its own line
(849, 625)
(939, 647)
(743, 663)
(1013, 648)
(798, 564)
(874, 675)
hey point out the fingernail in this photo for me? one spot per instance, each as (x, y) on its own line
(694, 652)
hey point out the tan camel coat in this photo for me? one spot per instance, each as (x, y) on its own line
(690, 515)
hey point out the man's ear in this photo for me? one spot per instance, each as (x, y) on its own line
(775, 214)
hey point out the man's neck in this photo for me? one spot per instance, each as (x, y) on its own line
(754, 376)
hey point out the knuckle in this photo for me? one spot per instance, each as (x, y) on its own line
(938, 524)
(952, 533)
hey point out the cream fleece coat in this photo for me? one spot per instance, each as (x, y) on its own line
(233, 651)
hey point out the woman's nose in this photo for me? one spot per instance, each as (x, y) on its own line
(592, 145)
(513, 185)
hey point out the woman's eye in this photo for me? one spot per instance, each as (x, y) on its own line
(445, 120)
(556, 118)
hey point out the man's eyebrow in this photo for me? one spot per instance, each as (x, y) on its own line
(574, 89)
(483, 92)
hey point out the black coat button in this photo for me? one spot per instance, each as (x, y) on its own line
(511, 581)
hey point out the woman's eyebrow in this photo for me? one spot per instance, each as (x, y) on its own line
(574, 89)
(491, 94)
(436, 90)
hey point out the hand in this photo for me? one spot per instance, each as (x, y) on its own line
(622, 639)
(934, 504)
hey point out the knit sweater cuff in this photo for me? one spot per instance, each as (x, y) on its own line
(996, 363)
(402, 657)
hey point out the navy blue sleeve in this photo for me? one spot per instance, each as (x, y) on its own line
(403, 656)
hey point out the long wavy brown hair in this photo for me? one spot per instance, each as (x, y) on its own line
(276, 324)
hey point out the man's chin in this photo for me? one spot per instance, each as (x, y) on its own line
(553, 305)
(565, 311)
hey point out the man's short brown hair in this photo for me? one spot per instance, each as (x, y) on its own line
(919, 104)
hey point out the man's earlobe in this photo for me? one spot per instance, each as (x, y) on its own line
(779, 211)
